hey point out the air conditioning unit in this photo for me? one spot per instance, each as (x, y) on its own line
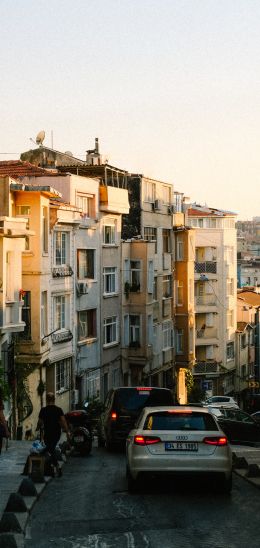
(171, 209)
(82, 288)
(157, 204)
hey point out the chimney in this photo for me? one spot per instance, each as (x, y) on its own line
(96, 146)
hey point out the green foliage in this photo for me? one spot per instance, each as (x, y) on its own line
(4, 387)
(41, 388)
(189, 381)
(196, 394)
(95, 408)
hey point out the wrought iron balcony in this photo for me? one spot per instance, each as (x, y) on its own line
(208, 266)
(61, 336)
(205, 368)
(62, 271)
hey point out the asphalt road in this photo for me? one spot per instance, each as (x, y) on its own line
(89, 507)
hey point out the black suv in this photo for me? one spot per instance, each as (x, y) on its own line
(121, 409)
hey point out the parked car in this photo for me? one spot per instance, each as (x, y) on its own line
(217, 401)
(121, 409)
(239, 426)
(252, 403)
(256, 416)
(178, 440)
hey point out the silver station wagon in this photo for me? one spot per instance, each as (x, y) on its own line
(178, 440)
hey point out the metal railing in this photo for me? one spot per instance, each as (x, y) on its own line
(208, 266)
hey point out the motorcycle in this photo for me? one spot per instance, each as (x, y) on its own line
(81, 432)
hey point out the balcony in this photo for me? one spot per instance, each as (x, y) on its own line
(206, 368)
(61, 336)
(62, 271)
(206, 336)
(206, 300)
(207, 267)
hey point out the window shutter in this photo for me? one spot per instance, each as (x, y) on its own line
(126, 330)
(150, 276)
(150, 329)
(127, 271)
(209, 352)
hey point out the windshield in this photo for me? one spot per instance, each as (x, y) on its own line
(133, 399)
(179, 421)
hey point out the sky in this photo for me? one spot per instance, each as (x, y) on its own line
(170, 87)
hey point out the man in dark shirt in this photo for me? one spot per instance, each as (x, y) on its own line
(52, 420)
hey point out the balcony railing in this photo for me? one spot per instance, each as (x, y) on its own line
(208, 266)
(205, 300)
(62, 271)
(61, 336)
(204, 368)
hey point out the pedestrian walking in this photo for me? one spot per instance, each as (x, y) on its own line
(4, 432)
(52, 421)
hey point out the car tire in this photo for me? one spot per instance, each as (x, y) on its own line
(132, 484)
(227, 486)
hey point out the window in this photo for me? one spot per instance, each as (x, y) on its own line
(167, 334)
(178, 201)
(230, 351)
(135, 275)
(243, 340)
(26, 317)
(179, 293)
(110, 330)
(149, 191)
(166, 194)
(86, 202)
(167, 286)
(179, 341)
(87, 324)
(166, 240)
(62, 370)
(230, 286)
(115, 377)
(45, 231)
(44, 321)
(9, 276)
(150, 279)
(132, 330)
(110, 279)
(180, 248)
(85, 263)
(109, 234)
(59, 312)
(61, 241)
(155, 289)
(24, 211)
(150, 235)
(230, 320)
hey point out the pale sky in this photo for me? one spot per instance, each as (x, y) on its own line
(170, 87)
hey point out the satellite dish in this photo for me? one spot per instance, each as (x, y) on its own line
(68, 153)
(40, 137)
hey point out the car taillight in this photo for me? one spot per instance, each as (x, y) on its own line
(113, 415)
(146, 440)
(140, 388)
(216, 441)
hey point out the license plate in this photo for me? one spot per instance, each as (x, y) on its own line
(78, 439)
(181, 446)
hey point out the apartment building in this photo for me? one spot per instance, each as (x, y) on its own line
(215, 298)
(248, 347)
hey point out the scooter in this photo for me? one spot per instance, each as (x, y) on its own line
(81, 434)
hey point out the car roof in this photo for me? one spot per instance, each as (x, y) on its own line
(177, 408)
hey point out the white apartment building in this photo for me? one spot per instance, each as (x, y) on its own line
(215, 298)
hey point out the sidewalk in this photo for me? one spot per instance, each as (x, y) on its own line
(20, 501)
(246, 462)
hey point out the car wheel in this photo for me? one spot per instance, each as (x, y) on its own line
(132, 484)
(227, 485)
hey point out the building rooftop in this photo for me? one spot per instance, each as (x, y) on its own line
(249, 297)
(18, 169)
(197, 210)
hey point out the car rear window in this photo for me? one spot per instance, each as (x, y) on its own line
(179, 421)
(134, 399)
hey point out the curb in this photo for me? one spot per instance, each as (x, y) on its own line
(247, 470)
(15, 517)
